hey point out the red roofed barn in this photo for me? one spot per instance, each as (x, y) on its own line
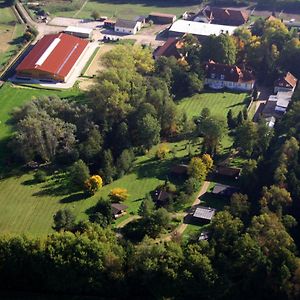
(52, 58)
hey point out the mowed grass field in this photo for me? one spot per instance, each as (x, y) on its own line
(10, 33)
(219, 103)
(28, 207)
(121, 8)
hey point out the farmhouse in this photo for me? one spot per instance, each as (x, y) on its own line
(222, 16)
(82, 32)
(181, 27)
(127, 26)
(53, 58)
(118, 209)
(170, 48)
(285, 83)
(219, 76)
(159, 18)
(203, 213)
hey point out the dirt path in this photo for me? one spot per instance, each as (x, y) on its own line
(126, 221)
(82, 7)
(182, 227)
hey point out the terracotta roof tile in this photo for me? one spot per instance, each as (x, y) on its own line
(55, 53)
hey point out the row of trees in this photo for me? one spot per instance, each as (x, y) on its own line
(93, 261)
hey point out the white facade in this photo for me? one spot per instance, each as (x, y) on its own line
(127, 30)
(217, 84)
(200, 29)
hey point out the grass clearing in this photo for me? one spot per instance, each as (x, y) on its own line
(219, 103)
(11, 33)
(120, 8)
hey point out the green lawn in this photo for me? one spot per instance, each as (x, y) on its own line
(6, 13)
(27, 207)
(219, 103)
(123, 8)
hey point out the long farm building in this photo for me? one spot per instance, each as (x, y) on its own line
(53, 58)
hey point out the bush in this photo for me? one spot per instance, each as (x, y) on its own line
(162, 151)
(191, 185)
(93, 184)
(118, 195)
(40, 176)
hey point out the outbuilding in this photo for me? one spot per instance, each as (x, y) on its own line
(82, 32)
(127, 26)
(160, 18)
(204, 214)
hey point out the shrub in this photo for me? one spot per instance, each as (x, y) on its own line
(118, 195)
(162, 151)
(93, 184)
(191, 185)
(40, 176)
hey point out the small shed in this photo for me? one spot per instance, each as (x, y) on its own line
(228, 171)
(161, 197)
(81, 32)
(160, 18)
(224, 190)
(203, 213)
(109, 24)
(118, 209)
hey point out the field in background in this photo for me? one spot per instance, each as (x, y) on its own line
(11, 33)
(119, 8)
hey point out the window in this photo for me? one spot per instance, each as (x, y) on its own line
(222, 77)
(213, 75)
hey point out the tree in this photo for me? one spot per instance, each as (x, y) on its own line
(102, 213)
(275, 199)
(230, 120)
(208, 161)
(221, 48)
(40, 176)
(147, 207)
(239, 205)
(79, 173)
(246, 137)
(64, 219)
(148, 131)
(95, 15)
(109, 170)
(191, 185)
(93, 184)
(212, 129)
(197, 169)
(118, 195)
(125, 162)
(162, 151)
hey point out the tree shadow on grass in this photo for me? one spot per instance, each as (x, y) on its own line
(74, 197)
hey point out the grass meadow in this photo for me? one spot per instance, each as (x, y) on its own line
(10, 34)
(120, 8)
(28, 207)
(219, 103)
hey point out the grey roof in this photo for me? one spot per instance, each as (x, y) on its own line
(117, 208)
(224, 190)
(205, 213)
(126, 23)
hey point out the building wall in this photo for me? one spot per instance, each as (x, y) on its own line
(128, 30)
(38, 74)
(162, 20)
(219, 84)
(282, 89)
(80, 34)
